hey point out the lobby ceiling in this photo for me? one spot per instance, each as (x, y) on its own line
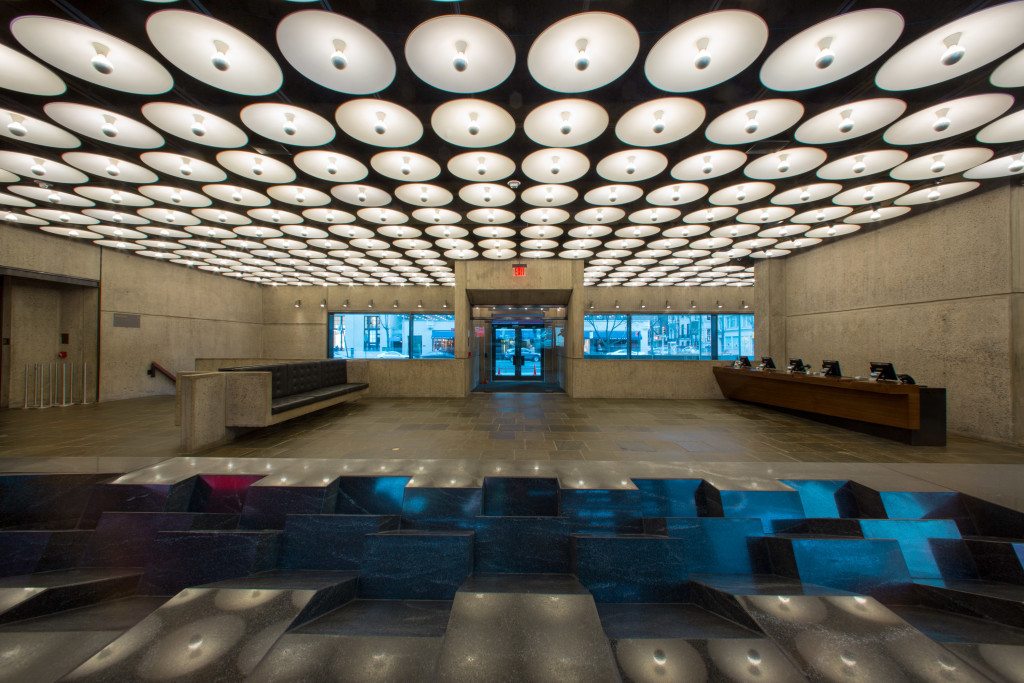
(379, 141)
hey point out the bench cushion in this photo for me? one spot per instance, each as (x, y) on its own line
(333, 372)
(280, 376)
(284, 403)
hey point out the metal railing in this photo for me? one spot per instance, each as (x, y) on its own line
(55, 384)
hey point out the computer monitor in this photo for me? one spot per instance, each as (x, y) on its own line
(767, 362)
(743, 362)
(884, 371)
(797, 365)
(830, 368)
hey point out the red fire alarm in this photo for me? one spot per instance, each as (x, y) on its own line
(519, 270)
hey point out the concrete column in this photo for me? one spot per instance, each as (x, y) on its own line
(1016, 219)
(770, 309)
(463, 327)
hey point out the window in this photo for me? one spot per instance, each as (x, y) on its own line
(672, 336)
(391, 335)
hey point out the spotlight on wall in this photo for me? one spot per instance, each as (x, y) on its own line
(718, 304)
(668, 306)
(642, 304)
(394, 304)
(590, 305)
(323, 303)
(744, 304)
(345, 305)
(616, 304)
(298, 303)
(419, 304)
(445, 304)
(370, 305)
(693, 304)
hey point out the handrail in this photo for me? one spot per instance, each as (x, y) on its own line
(155, 367)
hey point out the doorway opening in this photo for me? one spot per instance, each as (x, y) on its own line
(519, 349)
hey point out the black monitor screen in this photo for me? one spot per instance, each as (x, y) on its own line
(884, 371)
(830, 368)
(767, 362)
(797, 365)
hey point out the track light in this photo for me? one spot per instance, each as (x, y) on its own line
(582, 59)
(702, 60)
(718, 304)
(298, 303)
(954, 52)
(825, 56)
(219, 58)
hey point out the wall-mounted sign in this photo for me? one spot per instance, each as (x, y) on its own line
(519, 270)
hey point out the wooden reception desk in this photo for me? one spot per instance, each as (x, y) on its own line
(911, 413)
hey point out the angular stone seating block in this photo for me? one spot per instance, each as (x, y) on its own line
(267, 506)
(415, 565)
(990, 519)
(441, 503)
(329, 542)
(943, 504)
(548, 630)
(363, 640)
(999, 602)
(997, 559)
(632, 568)
(370, 495)
(521, 545)
(932, 548)
(520, 497)
(218, 632)
(745, 503)
(221, 492)
(26, 552)
(614, 510)
(125, 539)
(668, 497)
(852, 564)
(717, 545)
(190, 558)
(825, 497)
(33, 595)
(45, 501)
(127, 497)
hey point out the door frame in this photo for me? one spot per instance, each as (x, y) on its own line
(517, 358)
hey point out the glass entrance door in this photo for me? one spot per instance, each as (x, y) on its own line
(518, 352)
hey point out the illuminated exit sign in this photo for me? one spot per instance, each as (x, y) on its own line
(518, 270)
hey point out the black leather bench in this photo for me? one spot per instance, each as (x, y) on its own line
(296, 385)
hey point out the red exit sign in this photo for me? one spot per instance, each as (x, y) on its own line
(518, 271)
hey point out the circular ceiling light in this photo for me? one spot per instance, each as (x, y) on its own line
(822, 215)
(332, 216)
(187, 168)
(654, 216)
(91, 55)
(214, 52)
(870, 194)
(766, 214)
(256, 167)
(1010, 128)
(839, 230)
(491, 216)
(937, 193)
(116, 197)
(754, 121)
(744, 193)
(544, 216)
(710, 164)
(789, 162)
(460, 54)
(194, 125)
(330, 166)
(849, 121)
(42, 194)
(781, 231)
(862, 165)
(23, 74)
(361, 195)
(831, 50)
(947, 119)
(555, 165)
(1010, 74)
(611, 195)
(709, 214)
(379, 123)
(939, 164)
(550, 195)
(407, 166)
(472, 123)
(35, 131)
(233, 194)
(631, 165)
(731, 232)
(487, 194)
(481, 166)
(583, 51)
(876, 215)
(660, 122)
(706, 50)
(806, 193)
(1012, 164)
(287, 124)
(298, 195)
(588, 232)
(337, 52)
(104, 125)
(955, 48)
(110, 168)
(175, 195)
(565, 123)
(677, 193)
(419, 194)
(599, 215)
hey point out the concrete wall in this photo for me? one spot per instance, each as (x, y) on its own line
(934, 293)
(677, 379)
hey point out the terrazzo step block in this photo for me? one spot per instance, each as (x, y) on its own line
(267, 507)
(520, 497)
(632, 568)
(837, 637)
(125, 539)
(611, 510)
(329, 542)
(997, 559)
(436, 503)
(998, 662)
(950, 628)
(127, 497)
(991, 600)
(668, 497)
(33, 595)
(548, 630)
(364, 640)
(522, 545)
(944, 504)
(46, 501)
(990, 519)
(825, 498)
(716, 545)
(370, 495)
(221, 492)
(763, 505)
(852, 564)
(191, 558)
(654, 643)
(26, 552)
(218, 632)
(415, 565)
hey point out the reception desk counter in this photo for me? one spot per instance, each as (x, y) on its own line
(906, 412)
